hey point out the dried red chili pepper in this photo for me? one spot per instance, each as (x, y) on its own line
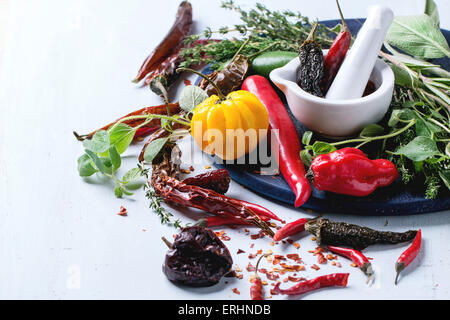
(217, 180)
(349, 171)
(147, 129)
(257, 290)
(290, 229)
(220, 221)
(180, 29)
(408, 255)
(291, 166)
(330, 280)
(357, 257)
(336, 54)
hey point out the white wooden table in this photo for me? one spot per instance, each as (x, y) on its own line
(67, 65)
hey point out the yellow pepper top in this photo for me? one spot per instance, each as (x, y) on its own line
(231, 127)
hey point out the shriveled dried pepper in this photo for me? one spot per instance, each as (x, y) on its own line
(180, 29)
(329, 280)
(217, 180)
(310, 70)
(215, 221)
(341, 233)
(349, 171)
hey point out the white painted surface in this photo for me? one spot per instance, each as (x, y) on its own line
(67, 65)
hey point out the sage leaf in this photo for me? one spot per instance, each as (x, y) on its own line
(371, 130)
(121, 136)
(131, 175)
(99, 142)
(320, 147)
(419, 149)
(114, 155)
(419, 36)
(85, 167)
(431, 10)
(97, 162)
(154, 148)
(190, 97)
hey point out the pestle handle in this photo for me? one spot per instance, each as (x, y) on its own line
(352, 77)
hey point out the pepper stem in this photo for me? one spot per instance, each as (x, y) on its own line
(219, 92)
(344, 24)
(240, 48)
(259, 260)
(313, 30)
(167, 242)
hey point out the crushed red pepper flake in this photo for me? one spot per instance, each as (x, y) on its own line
(315, 267)
(272, 276)
(294, 256)
(187, 82)
(250, 267)
(252, 256)
(296, 279)
(123, 212)
(235, 290)
(240, 251)
(191, 168)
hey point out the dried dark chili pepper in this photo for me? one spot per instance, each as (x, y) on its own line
(408, 255)
(336, 54)
(230, 78)
(257, 290)
(197, 258)
(220, 221)
(330, 280)
(217, 180)
(356, 257)
(341, 233)
(290, 229)
(147, 129)
(310, 70)
(180, 29)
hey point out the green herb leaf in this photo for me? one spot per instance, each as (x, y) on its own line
(154, 148)
(306, 139)
(447, 149)
(118, 191)
(191, 96)
(371, 130)
(419, 149)
(431, 10)
(306, 158)
(114, 155)
(445, 177)
(393, 120)
(107, 164)
(97, 162)
(85, 167)
(419, 36)
(320, 147)
(132, 175)
(121, 137)
(99, 142)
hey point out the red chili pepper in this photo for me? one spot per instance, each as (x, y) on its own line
(291, 166)
(409, 255)
(221, 221)
(336, 54)
(257, 290)
(357, 257)
(330, 280)
(349, 171)
(217, 180)
(290, 229)
(151, 126)
(174, 37)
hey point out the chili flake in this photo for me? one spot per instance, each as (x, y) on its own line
(123, 212)
(235, 290)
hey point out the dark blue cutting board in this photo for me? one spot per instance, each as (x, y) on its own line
(392, 200)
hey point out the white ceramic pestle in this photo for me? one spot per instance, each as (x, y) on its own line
(352, 77)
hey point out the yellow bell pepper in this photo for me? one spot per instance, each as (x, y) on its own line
(230, 127)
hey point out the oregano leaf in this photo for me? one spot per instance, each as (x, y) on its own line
(154, 148)
(191, 97)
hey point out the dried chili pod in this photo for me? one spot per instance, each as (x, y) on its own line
(341, 233)
(217, 180)
(230, 78)
(180, 29)
(310, 70)
(197, 258)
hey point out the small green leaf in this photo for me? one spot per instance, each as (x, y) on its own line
(371, 130)
(121, 137)
(445, 176)
(99, 142)
(114, 155)
(320, 147)
(191, 96)
(306, 139)
(447, 149)
(306, 158)
(85, 167)
(431, 10)
(393, 120)
(419, 149)
(97, 162)
(128, 193)
(118, 191)
(131, 175)
(107, 165)
(154, 148)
